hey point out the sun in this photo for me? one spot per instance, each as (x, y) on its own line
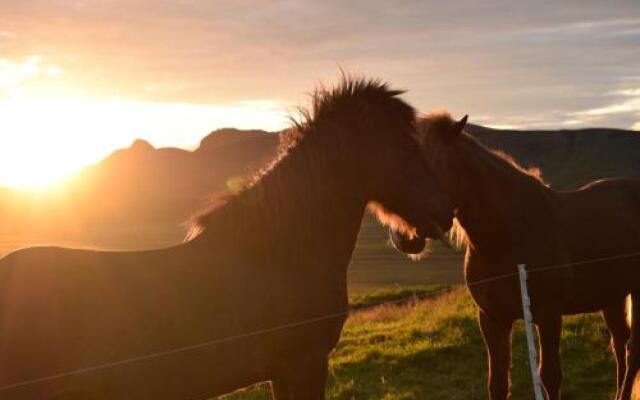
(34, 179)
(22, 167)
(40, 144)
(47, 132)
(44, 139)
(36, 169)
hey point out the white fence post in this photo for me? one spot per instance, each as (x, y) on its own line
(528, 323)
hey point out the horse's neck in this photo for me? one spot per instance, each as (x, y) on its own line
(307, 208)
(491, 208)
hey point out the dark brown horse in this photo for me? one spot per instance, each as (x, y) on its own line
(509, 216)
(257, 294)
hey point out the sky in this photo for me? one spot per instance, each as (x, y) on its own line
(79, 79)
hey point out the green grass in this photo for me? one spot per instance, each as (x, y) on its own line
(432, 349)
(400, 295)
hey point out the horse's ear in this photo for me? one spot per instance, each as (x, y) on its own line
(456, 129)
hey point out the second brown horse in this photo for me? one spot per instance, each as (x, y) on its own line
(509, 216)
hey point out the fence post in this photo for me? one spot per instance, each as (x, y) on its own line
(528, 323)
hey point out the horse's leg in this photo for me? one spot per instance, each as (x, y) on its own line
(615, 318)
(303, 379)
(497, 337)
(633, 349)
(549, 330)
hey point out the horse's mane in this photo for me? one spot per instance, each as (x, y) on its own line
(324, 102)
(329, 110)
(439, 123)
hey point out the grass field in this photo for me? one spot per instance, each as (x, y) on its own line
(374, 269)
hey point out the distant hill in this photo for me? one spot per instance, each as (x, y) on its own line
(139, 197)
(142, 184)
(136, 197)
(569, 158)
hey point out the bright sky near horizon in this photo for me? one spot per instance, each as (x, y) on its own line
(79, 79)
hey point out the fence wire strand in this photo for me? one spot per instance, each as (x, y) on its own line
(551, 267)
(211, 342)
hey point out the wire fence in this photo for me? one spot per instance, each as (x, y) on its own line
(546, 268)
(295, 324)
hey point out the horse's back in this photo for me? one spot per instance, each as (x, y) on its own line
(62, 310)
(613, 199)
(600, 227)
(607, 207)
(615, 184)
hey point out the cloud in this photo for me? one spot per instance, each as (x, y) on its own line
(636, 126)
(624, 107)
(619, 108)
(14, 73)
(629, 104)
(551, 120)
(609, 27)
(522, 62)
(7, 35)
(627, 92)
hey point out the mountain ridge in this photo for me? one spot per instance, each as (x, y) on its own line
(568, 158)
(141, 196)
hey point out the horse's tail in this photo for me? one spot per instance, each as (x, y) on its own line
(635, 183)
(628, 309)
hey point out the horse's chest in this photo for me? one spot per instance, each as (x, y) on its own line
(494, 284)
(494, 293)
(503, 301)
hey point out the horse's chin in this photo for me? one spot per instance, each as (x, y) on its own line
(415, 244)
(407, 244)
(435, 232)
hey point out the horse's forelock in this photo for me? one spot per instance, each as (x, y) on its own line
(436, 123)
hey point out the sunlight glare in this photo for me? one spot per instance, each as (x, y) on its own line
(42, 140)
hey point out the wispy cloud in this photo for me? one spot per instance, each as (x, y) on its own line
(629, 103)
(14, 73)
(627, 92)
(551, 120)
(7, 35)
(622, 105)
(607, 26)
(526, 64)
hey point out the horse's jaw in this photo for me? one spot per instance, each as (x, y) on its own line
(416, 243)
